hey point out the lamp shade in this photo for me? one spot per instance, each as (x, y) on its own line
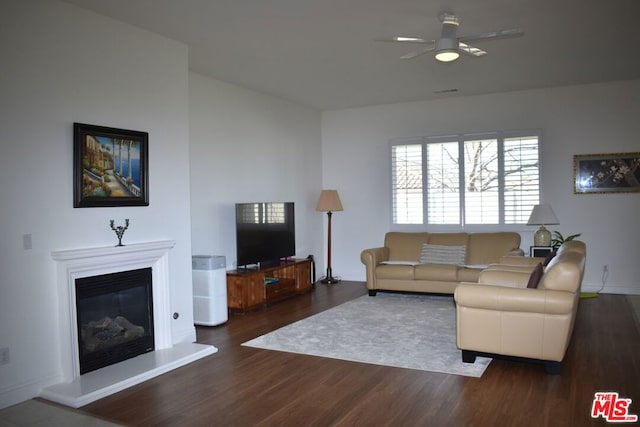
(329, 201)
(542, 214)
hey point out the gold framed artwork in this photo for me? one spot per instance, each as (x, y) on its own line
(606, 173)
(110, 167)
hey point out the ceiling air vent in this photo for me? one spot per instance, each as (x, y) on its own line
(440, 92)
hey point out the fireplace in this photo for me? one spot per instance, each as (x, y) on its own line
(74, 389)
(114, 317)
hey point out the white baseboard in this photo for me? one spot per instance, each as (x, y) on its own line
(17, 393)
(612, 288)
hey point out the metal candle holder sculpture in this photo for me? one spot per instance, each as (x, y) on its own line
(120, 230)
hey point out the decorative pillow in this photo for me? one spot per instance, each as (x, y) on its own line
(441, 254)
(535, 277)
(549, 257)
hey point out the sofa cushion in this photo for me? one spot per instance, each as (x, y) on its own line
(535, 277)
(400, 272)
(441, 254)
(487, 248)
(466, 274)
(405, 246)
(510, 279)
(440, 272)
(450, 239)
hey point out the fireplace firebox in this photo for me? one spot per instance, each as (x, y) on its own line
(114, 317)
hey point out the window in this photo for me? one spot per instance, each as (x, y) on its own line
(488, 179)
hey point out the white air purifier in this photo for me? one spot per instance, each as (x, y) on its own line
(209, 290)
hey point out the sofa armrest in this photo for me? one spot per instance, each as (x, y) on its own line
(500, 298)
(374, 256)
(371, 258)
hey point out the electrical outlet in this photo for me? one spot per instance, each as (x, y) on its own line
(4, 356)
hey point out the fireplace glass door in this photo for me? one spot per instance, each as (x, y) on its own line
(115, 317)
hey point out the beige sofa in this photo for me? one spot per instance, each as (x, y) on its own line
(500, 315)
(397, 265)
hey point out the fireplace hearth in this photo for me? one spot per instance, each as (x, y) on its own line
(114, 317)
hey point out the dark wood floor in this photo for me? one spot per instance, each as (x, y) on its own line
(243, 386)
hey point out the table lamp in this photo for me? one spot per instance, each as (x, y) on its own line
(540, 215)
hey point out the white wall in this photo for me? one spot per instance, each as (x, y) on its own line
(61, 64)
(600, 118)
(250, 147)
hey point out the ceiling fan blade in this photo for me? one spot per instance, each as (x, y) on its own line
(471, 50)
(412, 55)
(510, 32)
(402, 39)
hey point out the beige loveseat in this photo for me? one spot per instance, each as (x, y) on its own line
(500, 315)
(399, 264)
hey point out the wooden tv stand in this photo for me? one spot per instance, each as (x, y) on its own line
(248, 289)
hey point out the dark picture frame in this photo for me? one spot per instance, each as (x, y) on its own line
(110, 167)
(606, 173)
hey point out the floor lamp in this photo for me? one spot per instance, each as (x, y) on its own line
(329, 202)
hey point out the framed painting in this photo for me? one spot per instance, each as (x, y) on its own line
(110, 167)
(606, 173)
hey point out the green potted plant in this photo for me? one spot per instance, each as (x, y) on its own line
(558, 239)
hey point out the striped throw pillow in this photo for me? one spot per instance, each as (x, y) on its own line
(440, 254)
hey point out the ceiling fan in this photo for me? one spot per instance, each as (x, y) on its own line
(449, 46)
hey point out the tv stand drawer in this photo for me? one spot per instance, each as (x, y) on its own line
(280, 289)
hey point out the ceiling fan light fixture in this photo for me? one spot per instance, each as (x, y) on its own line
(447, 49)
(449, 46)
(447, 55)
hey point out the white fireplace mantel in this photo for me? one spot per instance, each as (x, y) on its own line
(77, 390)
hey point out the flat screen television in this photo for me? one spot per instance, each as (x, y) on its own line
(265, 232)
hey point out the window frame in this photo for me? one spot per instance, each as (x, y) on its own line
(460, 138)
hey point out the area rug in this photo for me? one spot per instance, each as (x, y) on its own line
(406, 331)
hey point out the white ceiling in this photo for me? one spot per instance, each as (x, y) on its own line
(324, 54)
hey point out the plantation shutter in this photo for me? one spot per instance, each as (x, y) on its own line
(443, 183)
(481, 184)
(521, 178)
(406, 178)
